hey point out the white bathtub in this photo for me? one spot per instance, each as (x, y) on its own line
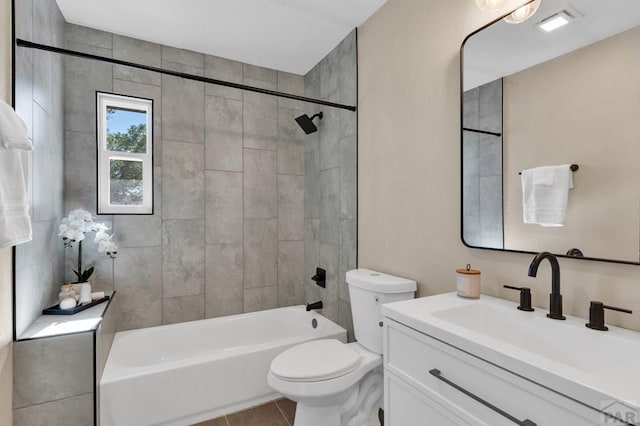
(190, 372)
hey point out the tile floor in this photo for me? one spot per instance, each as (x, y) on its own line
(275, 413)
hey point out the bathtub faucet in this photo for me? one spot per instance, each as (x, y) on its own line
(316, 305)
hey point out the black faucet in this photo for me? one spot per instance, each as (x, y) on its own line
(316, 305)
(555, 298)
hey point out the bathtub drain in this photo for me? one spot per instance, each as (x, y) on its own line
(314, 323)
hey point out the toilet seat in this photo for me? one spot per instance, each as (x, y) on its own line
(316, 361)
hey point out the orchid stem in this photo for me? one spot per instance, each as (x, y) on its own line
(80, 261)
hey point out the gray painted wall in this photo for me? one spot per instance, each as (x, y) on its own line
(227, 235)
(330, 196)
(482, 166)
(39, 101)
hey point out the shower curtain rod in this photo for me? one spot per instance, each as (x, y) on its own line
(47, 48)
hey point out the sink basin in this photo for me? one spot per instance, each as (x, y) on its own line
(576, 347)
(564, 356)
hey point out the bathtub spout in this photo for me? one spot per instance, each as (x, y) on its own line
(316, 305)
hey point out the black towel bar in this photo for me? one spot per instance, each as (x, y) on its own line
(573, 167)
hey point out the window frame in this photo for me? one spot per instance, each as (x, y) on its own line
(104, 156)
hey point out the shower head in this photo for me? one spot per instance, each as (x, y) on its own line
(306, 123)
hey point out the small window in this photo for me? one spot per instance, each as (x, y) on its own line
(125, 154)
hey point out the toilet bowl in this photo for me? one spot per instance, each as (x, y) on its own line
(338, 384)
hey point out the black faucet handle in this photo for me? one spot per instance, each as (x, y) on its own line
(596, 315)
(525, 297)
(320, 277)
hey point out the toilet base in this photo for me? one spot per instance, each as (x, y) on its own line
(360, 406)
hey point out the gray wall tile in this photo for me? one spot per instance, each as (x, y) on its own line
(24, 19)
(41, 367)
(24, 87)
(224, 207)
(291, 273)
(311, 248)
(183, 181)
(312, 183)
(183, 68)
(348, 258)
(122, 72)
(138, 282)
(137, 51)
(330, 139)
(292, 84)
(255, 72)
(223, 134)
(348, 178)
(260, 186)
(104, 340)
(182, 309)
(490, 155)
(183, 56)
(290, 208)
(83, 78)
(142, 230)
(43, 31)
(40, 94)
(76, 411)
(290, 143)
(224, 280)
(89, 36)
(330, 206)
(42, 79)
(260, 253)
(42, 165)
(330, 262)
(259, 299)
(182, 109)
(330, 199)
(260, 124)
(182, 258)
(225, 70)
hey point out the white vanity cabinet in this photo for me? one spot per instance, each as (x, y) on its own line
(431, 382)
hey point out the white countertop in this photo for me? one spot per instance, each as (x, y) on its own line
(587, 365)
(59, 325)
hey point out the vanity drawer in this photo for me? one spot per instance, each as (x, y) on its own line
(456, 379)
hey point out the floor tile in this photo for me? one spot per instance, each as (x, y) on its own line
(220, 421)
(263, 415)
(288, 409)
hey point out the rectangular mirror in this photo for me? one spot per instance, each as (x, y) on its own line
(535, 98)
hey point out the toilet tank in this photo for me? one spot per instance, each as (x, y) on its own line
(368, 291)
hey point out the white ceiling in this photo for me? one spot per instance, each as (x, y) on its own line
(504, 49)
(287, 35)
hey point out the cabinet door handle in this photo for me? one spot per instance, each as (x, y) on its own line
(438, 375)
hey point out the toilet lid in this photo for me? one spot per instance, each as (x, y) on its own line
(315, 361)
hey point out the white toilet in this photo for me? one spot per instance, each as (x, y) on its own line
(338, 384)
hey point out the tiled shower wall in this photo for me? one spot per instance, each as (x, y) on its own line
(330, 194)
(39, 79)
(482, 166)
(227, 235)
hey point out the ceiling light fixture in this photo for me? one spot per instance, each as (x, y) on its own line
(554, 22)
(523, 13)
(490, 5)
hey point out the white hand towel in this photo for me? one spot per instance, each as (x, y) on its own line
(13, 131)
(545, 194)
(15, 224)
